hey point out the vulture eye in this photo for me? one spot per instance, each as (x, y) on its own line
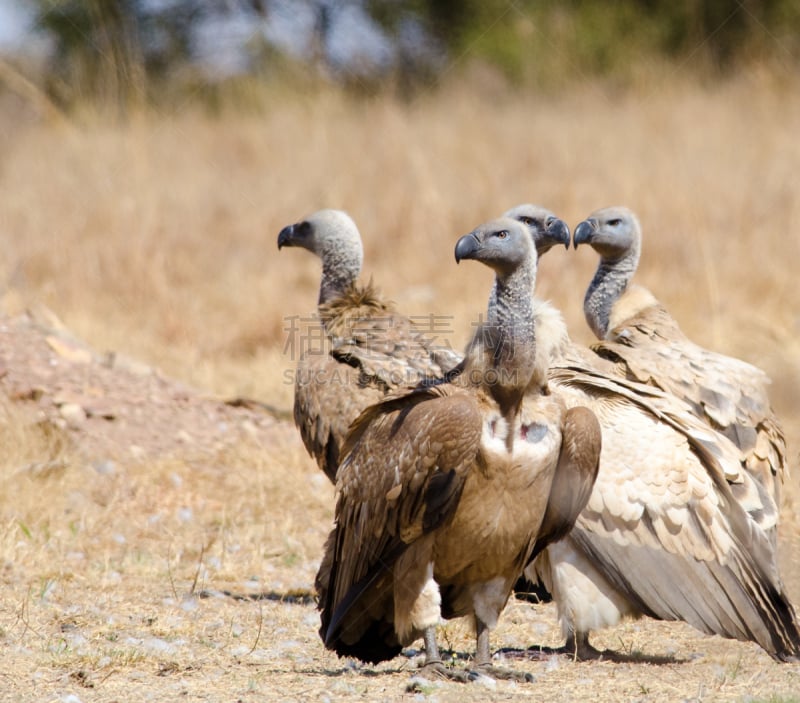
(614, 222)
(525, 220)
(502, 234)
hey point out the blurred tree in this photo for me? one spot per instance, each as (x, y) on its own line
(113, 50)
(546, 39)
(118, 50)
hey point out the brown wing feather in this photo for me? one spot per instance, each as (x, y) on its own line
(371, 351)
(574, 478)
(403, 473)
(327, 398)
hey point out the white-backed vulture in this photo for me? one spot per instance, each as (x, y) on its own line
(645, 343)
(367, 349)
(675, 527)
(663, 533)
(442, 491)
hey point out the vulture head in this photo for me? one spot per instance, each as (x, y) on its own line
(504, 245)
(613, 232)
(334, 238)
(545, 228)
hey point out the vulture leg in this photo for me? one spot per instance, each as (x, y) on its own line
(433, 665)
(579, 649)
(483, 659)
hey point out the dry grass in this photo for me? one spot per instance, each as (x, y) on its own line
(158, 239)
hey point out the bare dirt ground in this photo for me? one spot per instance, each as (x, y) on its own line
(181, 539)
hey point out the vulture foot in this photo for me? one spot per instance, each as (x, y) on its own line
(497, 672)
(579, 649)
(787, 657)
(437, 670)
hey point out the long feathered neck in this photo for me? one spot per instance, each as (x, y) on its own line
(341, 265)
(511, 309)
(610, 281)
(511, 343)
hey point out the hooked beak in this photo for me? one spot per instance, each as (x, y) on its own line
(467, 247)
(558, 231)
(584, 232)
(285, 237)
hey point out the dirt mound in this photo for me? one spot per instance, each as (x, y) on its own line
(107, 406)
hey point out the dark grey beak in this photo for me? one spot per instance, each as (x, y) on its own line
(285, 237)
(467, 247)
(558, 231)
(584, 232)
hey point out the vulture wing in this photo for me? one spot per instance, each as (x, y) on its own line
(662, 525)
(405, 464)
(729, 394)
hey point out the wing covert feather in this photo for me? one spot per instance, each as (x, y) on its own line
(327, 398)
(729, 394)
(659, 483)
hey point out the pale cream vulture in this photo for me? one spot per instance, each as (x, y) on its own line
(645, 343)
(663, 533)
(442, 492)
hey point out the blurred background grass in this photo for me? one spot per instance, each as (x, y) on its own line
(152, 150)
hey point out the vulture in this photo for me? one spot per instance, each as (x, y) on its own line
(674, 525)
(365, 350)
(646, 344)
(443, 492)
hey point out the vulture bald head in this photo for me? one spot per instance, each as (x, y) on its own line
(613, 232)
(334, 238)
(504, 245)
(546, 229)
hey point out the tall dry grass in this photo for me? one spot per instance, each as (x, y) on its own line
(157, 238)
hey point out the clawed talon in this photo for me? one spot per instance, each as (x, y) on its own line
(496, 672)
(584, 652)
(579, 649)
(438, 670)
(587, 653)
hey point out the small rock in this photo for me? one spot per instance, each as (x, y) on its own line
(73, 415)
(69, 350)
(483, 680)
(105, 468)
(189, 604)
(249, 428)
(183, 436)
(157, 645)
